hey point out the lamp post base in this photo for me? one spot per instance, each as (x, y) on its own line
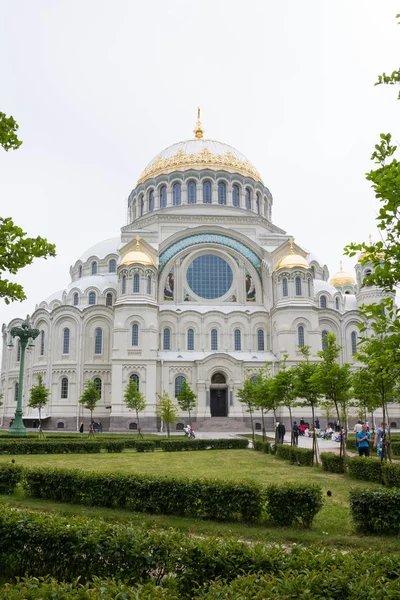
(18, 428)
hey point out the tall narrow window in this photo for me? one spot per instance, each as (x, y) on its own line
(42, 334)
(235, 195)
(136, 283)
(16, 387)
(300, 336)
(98, 341)
(19, 351)
(97, 383)
(322, 302)
(64, 388)
(135, 335)
(112, 266)
(124, 284)
(222, 192)
(258, 203)
(134, 377)
(76, 299)
(149, 285)
(92, 298)
(337, 303)
(151, 201)
(167, 338)
(163, 196)
(80, 271)
(285, 287)
(324, 340)
(66, 341)
(248, 199)
(238, 339)
(207, 192)
(177, 194)
(190, 339)
(192, 189)
(298, 286)
(109, 299)
(94, 268)
(309, 287)
(141, 206)
(260, 340)
(353, 342)
(178, 384)
(214, 339)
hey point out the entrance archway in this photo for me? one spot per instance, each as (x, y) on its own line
(218, 396)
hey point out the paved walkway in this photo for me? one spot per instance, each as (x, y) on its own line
(304, 442)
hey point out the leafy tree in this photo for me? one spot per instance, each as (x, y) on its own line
(90, 397)
(283, 388)
(39, 397)
(305, 388)
(262, 382)
(167, 411)
(134, 400)
(327, 408)
(18, 251)
(364, 392)
(248, 395)
(186, 399)
(8, 133)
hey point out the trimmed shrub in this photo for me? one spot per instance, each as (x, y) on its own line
(302, 456)
(395, 448)
(262, 447)
(143, 446)
(331, 462)
(49, 447)
(10, 476)
(173, 445)
(112, 446)
(391, 474)
(376, 511)
(293, 503)
(366, 469)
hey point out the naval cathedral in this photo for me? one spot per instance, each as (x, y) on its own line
(200, 286)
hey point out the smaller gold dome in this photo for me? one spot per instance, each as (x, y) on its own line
(364, 254)
(292, 260)
(342, 278)
(137, 256)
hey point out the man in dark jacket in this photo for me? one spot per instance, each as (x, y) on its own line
(295, 434)
(281, 432)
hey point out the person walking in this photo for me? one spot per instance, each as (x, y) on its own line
(81, 427)
(380, 440)
(363, 438)
(281, 432)
(317, 426)
(295, 432)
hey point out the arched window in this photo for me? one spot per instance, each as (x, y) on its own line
(64, 388)
(136, 283)
(80, 271)
(112, 266)
(353, 342)
(92, 298)
(190, 339)
(300, 336)
(260, 340)
(167, 338)
(60, 425)
(322, 301)
(18, 351)
(207, 198)
(324, 340)
(151, 201)
(133, 425)
(141, 206)
(42, 334)
(94, 268)
(258, 203)
(214, 339)
(97, 383)
(149, 285)
(66, 341)
(124, 284)
(298, 286)
(134, 377)
(176, 194)
(248, 199)
(135, 335)
(178, 384)
(235, 195)
(16, 391)
(238, 339)
(285, 287)
(222, 192)
(76, 299)
(163, 196)
(98, 341)
(192, 191)
(337, 303)
(109, 299)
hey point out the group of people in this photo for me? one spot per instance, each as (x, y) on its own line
(363, 439)
(188, 429)
(94, 427)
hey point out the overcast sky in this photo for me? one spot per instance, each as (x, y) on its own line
(100, 87)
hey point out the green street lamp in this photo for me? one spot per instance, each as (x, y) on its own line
(25, 334)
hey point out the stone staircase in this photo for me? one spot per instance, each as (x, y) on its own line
(229, 424)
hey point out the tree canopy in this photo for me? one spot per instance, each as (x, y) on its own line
(134, 400)
(8, 133)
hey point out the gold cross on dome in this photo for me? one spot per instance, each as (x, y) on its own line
(137, 238)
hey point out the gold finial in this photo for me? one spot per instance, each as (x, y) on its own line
(137, 238)
(341, 266)
(291, 246)
(198, 130)
(370, 239)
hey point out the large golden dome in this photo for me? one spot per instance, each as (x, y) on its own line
(342, 278)
(137, 257)
(292, 260)
(199, 153)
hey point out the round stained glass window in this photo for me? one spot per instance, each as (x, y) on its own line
(209, 276)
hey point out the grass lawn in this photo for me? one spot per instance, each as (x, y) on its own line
(332, 526)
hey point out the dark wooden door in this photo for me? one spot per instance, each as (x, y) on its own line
(218, 403)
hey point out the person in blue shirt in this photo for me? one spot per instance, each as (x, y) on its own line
(363, 438)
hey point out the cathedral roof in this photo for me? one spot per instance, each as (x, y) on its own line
(102, 249)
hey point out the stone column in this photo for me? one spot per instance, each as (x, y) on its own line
(184, 193)
(169, 195)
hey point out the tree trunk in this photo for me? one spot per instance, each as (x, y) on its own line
(190, 420)
(263, 424)
(167, 430)
(291, 426)
(314, 444)
(40, 421)
(276, 429)
(252, 424)
(138, 424)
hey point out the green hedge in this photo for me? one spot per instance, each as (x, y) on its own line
(219, 444)
(10, 476)
(262, 447)
(331, 462)
(294, 503)
(376, 511)
(302, 456)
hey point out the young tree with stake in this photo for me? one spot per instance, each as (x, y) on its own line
(90, 398)
(167, 411)
(134, 400)
(39, 396)
(186, 399)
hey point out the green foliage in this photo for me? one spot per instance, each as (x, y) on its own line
(90, 397)
(24, 446)
(10, 476)
(166, 411)
(144, 446)
(39, 396)
(294, 503)
(331, 462)
(376, 511)
(304, 384)
(186, 398)
(8, 133)
(176, 445)
(301, 456)
(16, 252)
(134, 400)
(366, 469)
(262, 447)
